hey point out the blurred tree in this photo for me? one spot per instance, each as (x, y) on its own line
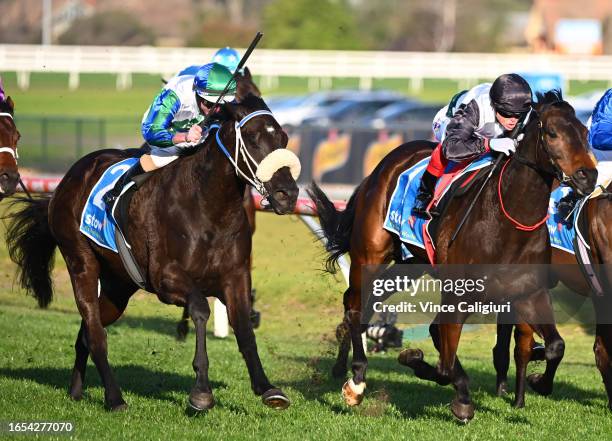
(108, 28)
(437, 25)
(215, 29)
(311, 24)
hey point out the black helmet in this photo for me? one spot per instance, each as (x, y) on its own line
(510, 95)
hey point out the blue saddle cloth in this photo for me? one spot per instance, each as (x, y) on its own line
(399, 218)
(562, 232)
(95, 224)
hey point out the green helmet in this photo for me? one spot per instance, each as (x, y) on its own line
(211, 79)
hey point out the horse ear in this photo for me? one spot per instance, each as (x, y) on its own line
(10, 103)
(247, 73)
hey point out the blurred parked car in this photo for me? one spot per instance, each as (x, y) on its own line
(406, 112)
(293, 112)
(353, 110)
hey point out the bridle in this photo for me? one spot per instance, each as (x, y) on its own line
(6, 149)
(241, 150)
(557, 172)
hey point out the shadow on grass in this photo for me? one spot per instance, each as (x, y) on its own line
(137, 380)
(419, 398)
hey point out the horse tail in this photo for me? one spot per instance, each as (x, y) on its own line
(31, 246)
(337, 226)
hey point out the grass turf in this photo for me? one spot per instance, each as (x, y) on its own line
(300, 307)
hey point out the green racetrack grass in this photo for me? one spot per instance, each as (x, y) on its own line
(300, 308)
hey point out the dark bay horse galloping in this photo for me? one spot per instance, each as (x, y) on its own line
(9, 136)
(567, 271)
(554, 144)
(188, 232)
(245, 86)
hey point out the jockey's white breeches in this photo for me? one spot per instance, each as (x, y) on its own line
(604, 165)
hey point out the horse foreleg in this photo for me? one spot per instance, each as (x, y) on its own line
(237, 295)
(501, 355)
(200, 397)
(537, 311)
(523, 335)
(414, 359)
(449, 365)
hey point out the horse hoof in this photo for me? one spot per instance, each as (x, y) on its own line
(537, 383)
(76, 396)
(119, 406)
(352, 393)
(518, 404)
(276, 399)
(464, 412)
(502, 389)
(338, 371)
(410, 357)
(201, 401)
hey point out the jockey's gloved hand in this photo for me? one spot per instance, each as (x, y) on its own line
(194, 134)
(503, 145)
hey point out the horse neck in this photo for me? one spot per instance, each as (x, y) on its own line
(208, 169)
(524, 186)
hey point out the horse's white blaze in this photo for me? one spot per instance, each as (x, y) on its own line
(270, 129)
(357, 388)
(276, 160)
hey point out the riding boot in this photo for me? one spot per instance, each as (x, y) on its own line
(112, 195)
(425, 194)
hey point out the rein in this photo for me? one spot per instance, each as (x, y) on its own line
(240, 149)
(10, 150)
(558, 173)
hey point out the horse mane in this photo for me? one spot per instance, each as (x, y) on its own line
(552, 98)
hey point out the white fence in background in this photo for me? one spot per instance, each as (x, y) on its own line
(319, 66)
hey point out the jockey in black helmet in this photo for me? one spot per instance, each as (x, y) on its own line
(487, 117)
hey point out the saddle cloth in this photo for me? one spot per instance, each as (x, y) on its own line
(412, 229)
(95, 224)
(415, 231)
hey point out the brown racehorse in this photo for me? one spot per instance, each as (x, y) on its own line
(188, 232)
(9, 136)
(244, 86)
(554, 144)
(599, 212)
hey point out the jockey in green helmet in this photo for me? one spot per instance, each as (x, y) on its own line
(171, 123)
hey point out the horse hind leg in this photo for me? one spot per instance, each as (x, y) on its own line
(96, 313)
(343, 336)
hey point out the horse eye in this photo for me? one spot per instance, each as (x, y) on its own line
(551, 133)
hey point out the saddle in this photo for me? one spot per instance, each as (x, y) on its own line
(120, 217)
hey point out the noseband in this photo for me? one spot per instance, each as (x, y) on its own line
(10, 150)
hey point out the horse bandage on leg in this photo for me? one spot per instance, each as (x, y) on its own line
(276, 160)
(357, 388)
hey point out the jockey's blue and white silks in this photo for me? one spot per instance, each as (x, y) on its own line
(94, 222)
(399, 218)
(600, 130)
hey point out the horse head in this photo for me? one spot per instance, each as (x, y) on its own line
(563, 138)
(9, 136)
(260, 156)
